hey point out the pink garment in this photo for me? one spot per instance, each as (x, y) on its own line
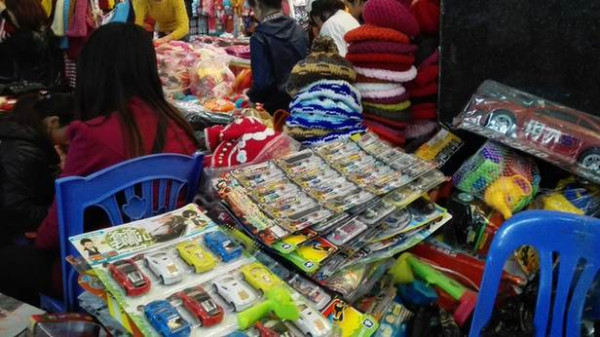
(79, 27)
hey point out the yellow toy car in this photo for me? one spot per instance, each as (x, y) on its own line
(195, 256)
(259, 277)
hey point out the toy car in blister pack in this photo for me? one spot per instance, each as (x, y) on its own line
(409, 193)
(346, 232)
(128, 275)
(377, 213)
(561, 135)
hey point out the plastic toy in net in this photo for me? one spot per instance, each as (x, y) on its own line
(503, 179)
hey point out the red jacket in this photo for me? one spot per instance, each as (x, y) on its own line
(98, 144)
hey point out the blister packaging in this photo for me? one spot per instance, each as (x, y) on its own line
(560, 135)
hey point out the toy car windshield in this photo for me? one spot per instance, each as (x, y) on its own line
(209, 306)
(136, 278)
(174, 323)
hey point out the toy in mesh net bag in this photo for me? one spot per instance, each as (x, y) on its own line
(174, 60)
(503, 179)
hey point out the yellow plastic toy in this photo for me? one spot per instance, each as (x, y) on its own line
(506, 193)
(558, 202)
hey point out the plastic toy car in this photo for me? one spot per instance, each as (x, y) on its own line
(197, 301)
(220, 244)
(166, 319)
(259, 277)
(311, 322)
(129, 276)
(561, 132)
(346, 232)
(234, 292)
(195, 256)
(274, 328)
(163, 266)
(311, 291)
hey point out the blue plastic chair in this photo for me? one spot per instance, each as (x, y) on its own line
(576, 241)
(136, 182)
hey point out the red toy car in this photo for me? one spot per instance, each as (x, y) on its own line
(127, 273)
(560, 133)
(198, 302)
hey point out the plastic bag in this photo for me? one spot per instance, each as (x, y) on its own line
(211, 76)
(570, 196)
(563, 136)
(174, 60)
(503, 179)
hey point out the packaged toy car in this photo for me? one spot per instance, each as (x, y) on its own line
(563, 136)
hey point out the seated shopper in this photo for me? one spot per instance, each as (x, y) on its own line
(123, 115)
(275, 47)
(28, 160)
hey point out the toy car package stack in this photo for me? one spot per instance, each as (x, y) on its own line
(560, 135)
(177, 274)
(318, 208)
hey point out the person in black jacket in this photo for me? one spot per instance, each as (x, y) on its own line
(28, 48)
(29, 162)
(275, 47)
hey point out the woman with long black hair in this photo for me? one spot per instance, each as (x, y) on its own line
(123, 114)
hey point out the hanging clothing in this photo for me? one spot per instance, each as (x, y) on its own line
(47, 6)
(170, 15)
(58, 23)
(79, 28)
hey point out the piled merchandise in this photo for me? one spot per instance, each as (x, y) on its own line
(383, 56)
(326, 106)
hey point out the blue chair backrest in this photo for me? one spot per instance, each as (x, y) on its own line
(574, 239)
(129, 191)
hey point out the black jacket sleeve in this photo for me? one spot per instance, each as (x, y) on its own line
(22, 167)
(263, 80)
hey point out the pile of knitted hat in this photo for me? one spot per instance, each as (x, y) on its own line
(383, 57)
(325, 105)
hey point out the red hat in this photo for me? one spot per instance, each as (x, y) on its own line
(426, 75)
(381, 58)
(373, 33)
(427, 13)
(391, 14)
(392, 135)
(427, 90)
(217, 134)
(365, 79)
(386, 66)
(424, 111)
(388, 100)
(381, 47)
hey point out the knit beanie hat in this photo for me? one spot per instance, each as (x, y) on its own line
(388, 100)
(391, 76)
(427, 13)
(391, 14)
(381, 58)
(323, 62)
(374, 33)
(381, 47)
(384, 66)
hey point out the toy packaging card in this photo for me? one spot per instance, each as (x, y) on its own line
(177, 274)
(440, 147)
(565, 137)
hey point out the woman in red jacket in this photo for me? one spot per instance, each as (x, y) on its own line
(123, 114)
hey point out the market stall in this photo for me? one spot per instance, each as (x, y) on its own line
(364, 209)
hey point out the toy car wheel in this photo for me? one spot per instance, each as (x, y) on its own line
(162, 279)
(235, 308)
(590, 159)
(501, 121)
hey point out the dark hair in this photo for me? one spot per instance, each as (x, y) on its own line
(31, 109)
(270, 4)
(29, 14)
(117, 64)
(85, 240)
(324, 9)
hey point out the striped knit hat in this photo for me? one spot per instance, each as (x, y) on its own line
(323, 63)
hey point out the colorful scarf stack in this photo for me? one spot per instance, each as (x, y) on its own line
(326, 106)
(383, 57)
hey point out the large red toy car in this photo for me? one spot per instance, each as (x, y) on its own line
(563, 134)
(129, 276)
(198, 302)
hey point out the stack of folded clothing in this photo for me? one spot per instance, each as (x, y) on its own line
(383, 57)
(326, 106)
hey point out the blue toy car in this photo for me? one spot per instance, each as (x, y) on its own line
(166, 319)
(223, 246)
